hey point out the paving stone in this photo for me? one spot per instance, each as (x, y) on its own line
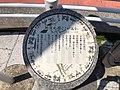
(16, 56)
(111, 86)
(4, 56)
(113, 71)
(15, 71)
(7, 40)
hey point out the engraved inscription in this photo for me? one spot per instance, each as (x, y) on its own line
(60, 48)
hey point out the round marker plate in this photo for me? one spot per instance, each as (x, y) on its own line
(60, 49)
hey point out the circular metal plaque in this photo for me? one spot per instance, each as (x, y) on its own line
(60, 49)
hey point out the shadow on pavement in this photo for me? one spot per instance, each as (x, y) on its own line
(21, 77)
(12, 31)
(105, 81)
(112, 58)
(103, 28)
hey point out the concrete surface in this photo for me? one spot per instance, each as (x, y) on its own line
(10, 49)
(14, 71)
(25, 22)
(11, 54)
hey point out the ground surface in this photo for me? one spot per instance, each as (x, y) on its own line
(11, 54)
(13, 71)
